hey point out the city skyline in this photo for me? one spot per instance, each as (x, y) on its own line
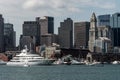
(16, 12)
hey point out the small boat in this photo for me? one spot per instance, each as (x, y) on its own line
(115, 62)
(67, 63)
(58, 62)
(75, 62)
(2, 62)
(94, 63)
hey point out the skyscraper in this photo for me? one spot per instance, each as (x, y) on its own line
(115, 20)
(31, 30)
(10, 36)
(47, 24)
(46, 29)
(116, 37)
(2, 48)
(93, 33)
(81, 34)
(115, 25)
(65, 33)
(104, 20)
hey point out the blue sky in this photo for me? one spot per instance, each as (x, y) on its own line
(18, 11)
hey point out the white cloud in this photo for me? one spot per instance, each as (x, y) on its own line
(29, 4)
(108, 6)
(34, 4)
(57, 4)
(100, 4)
(73, 9)
(66, 5)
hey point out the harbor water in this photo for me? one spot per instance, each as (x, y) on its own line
(60, 72)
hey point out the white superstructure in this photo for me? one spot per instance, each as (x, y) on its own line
(28, 58)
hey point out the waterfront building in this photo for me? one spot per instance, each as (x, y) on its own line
(104, 20)
(93, 33)
(65, 33)
(99, 37)
(50, 52)
(9, 36)
(81, 34)
(103, 45)
(2, 48)
(115, 25)
(47, 24)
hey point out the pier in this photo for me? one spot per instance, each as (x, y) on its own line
(82, 53)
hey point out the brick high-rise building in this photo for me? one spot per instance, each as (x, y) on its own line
(81, 34)
(65, 33)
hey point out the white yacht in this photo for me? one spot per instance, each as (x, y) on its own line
(27, 58)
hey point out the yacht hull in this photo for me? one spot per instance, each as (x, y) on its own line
(40, 62)
(3, 63)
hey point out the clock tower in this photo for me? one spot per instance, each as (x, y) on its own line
(93, 33)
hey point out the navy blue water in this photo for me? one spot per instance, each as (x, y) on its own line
(62, 72)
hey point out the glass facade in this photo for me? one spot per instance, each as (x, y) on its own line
(104, 20)
(9, 36)
(115, 20)
(115, 25)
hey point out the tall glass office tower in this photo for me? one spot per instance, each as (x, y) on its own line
(104, 20)
(115, 25)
